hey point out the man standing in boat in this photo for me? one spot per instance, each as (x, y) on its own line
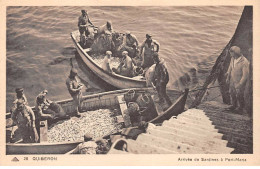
(237, 77)
(150, 46)
(24, 118)
(131, 44)
(161, 78)
(83, 23)
(19, 95)
(74, 87)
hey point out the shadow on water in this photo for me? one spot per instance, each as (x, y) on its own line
(58, 60)
(67, 53)
(91, 80)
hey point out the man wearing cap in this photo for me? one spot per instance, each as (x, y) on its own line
(19, 95)
(87, 147)
(126, 66)
(237, 77)
(83, 22)
(106, 62)
(131, 43)
(74, 87)
(150, 46)
(24, 118)
(161, 78)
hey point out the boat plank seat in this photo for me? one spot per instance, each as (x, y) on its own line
(43, 131)
(123, 108)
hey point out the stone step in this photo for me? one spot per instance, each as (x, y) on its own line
(231, 124)
(213, 145)
(194, 121)
(227, 117)
(196, 114)
(172, 145)
(245, 149)
(187, 115)
(185, 123)
(138, 147)
(190, 129)
(235, 132)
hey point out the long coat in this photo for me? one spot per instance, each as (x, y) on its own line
(238, 71)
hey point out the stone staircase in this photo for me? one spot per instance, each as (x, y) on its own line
(197, 131)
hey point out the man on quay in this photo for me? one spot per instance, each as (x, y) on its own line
(74, 87)
(237, 77)
(24, 118)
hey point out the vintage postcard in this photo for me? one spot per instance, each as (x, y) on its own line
(129, 83)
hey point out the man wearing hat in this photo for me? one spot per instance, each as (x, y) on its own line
(24, 118)
(237, 77)
(19, 95)
(87, 147)
(74, 87)
(83, 23)
(161, 78)
(150, 46)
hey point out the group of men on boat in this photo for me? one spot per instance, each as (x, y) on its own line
(133, 63)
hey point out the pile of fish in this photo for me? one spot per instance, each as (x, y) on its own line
(98, 123)
(99, 59)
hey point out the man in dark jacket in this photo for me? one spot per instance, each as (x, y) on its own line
(161, 78)
(74, 87)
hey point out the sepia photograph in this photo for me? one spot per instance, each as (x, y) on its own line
(107, 80)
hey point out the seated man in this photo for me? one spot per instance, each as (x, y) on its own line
(47, 109)
(126, 66)
(106, 62)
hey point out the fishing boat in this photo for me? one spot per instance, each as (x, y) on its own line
(151, 112)
(116, 80)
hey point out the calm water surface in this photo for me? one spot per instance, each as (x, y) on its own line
(39, 45)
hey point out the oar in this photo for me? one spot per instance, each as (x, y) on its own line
(88, 86)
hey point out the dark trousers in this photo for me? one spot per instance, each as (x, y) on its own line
(84, 29)
(161, 90)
